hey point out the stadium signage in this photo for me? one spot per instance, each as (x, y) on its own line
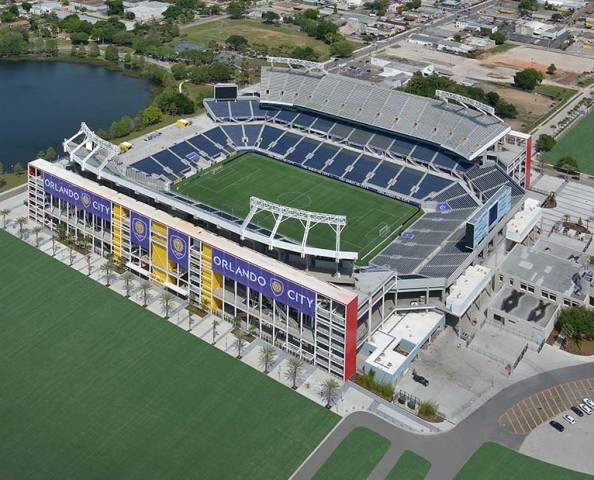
(178, 248)
(140, 230)
(77, 196)
(261, 280)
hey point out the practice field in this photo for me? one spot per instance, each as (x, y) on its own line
(254, 32)
(96, 387)
(578, 143)
(372, 219)
(355, 457)
(494, 462)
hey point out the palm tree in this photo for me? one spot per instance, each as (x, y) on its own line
(239, 341)
(37, 229)
(21, 222)
(236, 322)
(329, 391)
(70, 238)
(295, 369)
(61, 229)
(144, 289)
(128, 279)
(107, 267)
(252, 330)
(166, 298)
(267, 356)
(215, 324)
(89, 268)
(4, 212)
(54, 239)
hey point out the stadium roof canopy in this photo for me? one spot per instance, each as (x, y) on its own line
(459, 129)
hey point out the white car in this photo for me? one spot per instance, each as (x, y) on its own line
(569, 419)
(588, 402)
(587, 410)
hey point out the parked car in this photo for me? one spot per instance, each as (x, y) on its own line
(569, 419)
(556, 425)
(588, 402)
(578, 411)
(420, 379)
(587, 410)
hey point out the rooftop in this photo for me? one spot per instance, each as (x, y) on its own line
(524, 306)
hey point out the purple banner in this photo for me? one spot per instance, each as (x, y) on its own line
(77, 196)
(178, 248)
(140, 230)
(264, 282)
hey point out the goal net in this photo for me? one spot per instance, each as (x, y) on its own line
(385, 231)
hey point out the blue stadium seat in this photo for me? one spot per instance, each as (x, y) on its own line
(241, 109)
(252, 132)
(431, 183)
(286, 116)
(183, 149)
(269, 135)
(360, 137)
(340, 131)
(216, 135)
(285, 142)
(402, 147)
(363, 166)
(148, 165)
(168, 159)
(323, 125)
(259, 112)
(341, 161)
(304, 147)
(203, 144)
(381, 142)
(220, 109)
(384, 173)
(235, 133)
(424, 153)
(445, 160)
(407, 179)
(305, 120)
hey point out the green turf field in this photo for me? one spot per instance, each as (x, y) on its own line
(252, 174)
(410, 466)
(494, 462)
(96, 387)
(355, 457)
(578, 143)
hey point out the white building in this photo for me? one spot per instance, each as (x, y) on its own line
(395, 66)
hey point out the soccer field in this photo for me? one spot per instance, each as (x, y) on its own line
(97, 387)
(578, 143)
(230, 186)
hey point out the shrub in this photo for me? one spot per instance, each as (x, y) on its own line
(428, 408)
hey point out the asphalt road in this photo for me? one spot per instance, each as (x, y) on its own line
(449, 451)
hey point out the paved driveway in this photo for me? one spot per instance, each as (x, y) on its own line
(447, 452)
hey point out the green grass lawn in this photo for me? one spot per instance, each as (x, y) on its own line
(578, 143)
(356, 456)
(96, 387)
(13, 180)
(254, 32)
(250, 174)
(556, 92)
(494, 462)
(410, 466)
(504, 47)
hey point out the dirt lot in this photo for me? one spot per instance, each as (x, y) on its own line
(529, 105)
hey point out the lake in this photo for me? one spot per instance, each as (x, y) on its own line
(44, 102)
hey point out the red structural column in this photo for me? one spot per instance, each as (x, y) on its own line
(350, 348)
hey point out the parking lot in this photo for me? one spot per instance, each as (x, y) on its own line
(539, 408)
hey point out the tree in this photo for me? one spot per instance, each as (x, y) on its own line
(93, 50)
(568, 164)
(236, 9)
(239, 341)
(545, 143)
(79, 38)
(17, 169)
(528, 78)
(457, 38)
(498, 38)
(128, 279)
(215, 324)
(267, 356)
(12, 43)
(107, 268)
(88, 258)
(20, 223)
(4, 212)
(54, 239)
(144, 289)
(121, 128)
(51, 47)
(150, 116)
(551, 69)
(165, 299)
(37, 229)
(329, 391)
(270, 17)
(412, 5)
(112, 54)
(577, 323)
(50, 153)
(26, 6)
(295, 368)
(236, 42)
(343, 48)
(115, 7)
(179, 70)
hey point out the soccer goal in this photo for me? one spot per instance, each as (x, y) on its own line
(216, 170)
(385, 231)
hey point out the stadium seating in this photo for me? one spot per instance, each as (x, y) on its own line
(203, 144)
(362, 167)
(407, 179)
(252, 133)
(341, 161)
(170, 160)
(234, 133)
(218, 109)
(384, 173)
(284, 143)
(487, 180)
(149, 166)
(302, 149)
(183, 149)
(269, 135)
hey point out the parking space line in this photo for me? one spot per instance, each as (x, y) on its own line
(527, 409)
(511, 423)
(573, 392)
(550, 408)
(513, 409)
(554, 399)
(591, 387)
(561, 395)
(544, 409)
(586, 391)
(565, 387)
(536, 411)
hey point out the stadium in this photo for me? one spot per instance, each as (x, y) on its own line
(314, 207)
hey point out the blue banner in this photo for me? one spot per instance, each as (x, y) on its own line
(140, 230)
(261, 280)
(178, 248)
(77, 196)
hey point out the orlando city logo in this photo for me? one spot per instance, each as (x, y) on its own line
(178, 247)
(86, 199)
(140, 230)
(276, 286)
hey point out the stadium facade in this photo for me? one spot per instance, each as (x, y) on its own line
(462, 166)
